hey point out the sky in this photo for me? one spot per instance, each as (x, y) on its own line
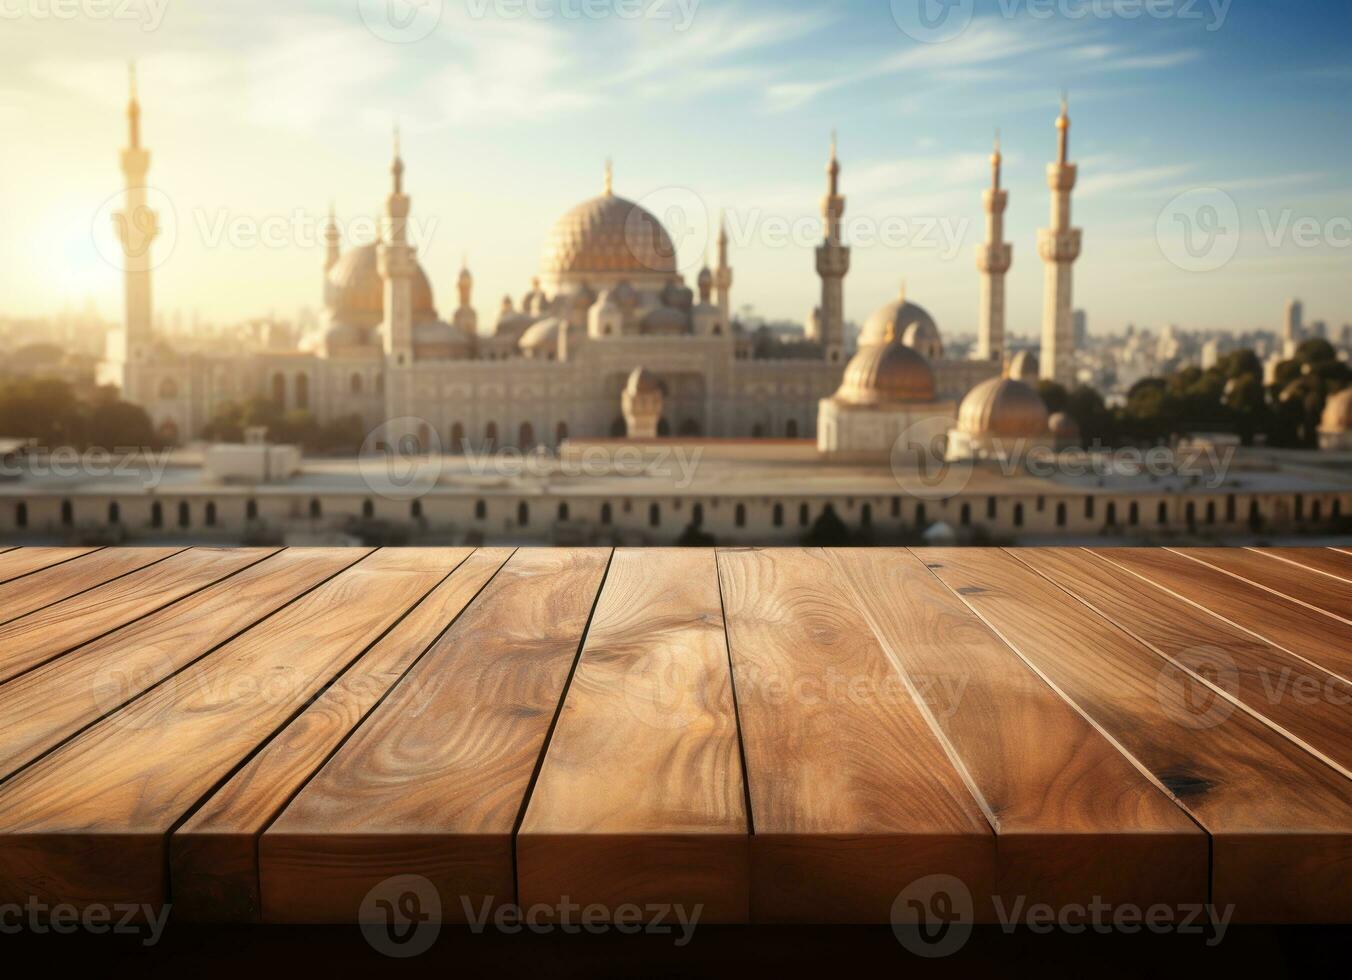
(1212, 138)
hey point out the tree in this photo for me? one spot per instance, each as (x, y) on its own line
(1054, 395)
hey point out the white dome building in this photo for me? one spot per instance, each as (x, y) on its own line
(1000, 419)
(1335, 428)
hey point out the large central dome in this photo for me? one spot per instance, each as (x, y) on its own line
(608, 236)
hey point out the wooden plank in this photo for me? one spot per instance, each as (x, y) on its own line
(24, 561)
(1280, 819)
(1319, 639)
(1299, 698)
(51, 585)
(640, 800)
(434, 782)
(852, 795)
(1322, 593)
(48, 705)
(59, 628)
(214, 855)
(1326, 561)
(1075, 819)
(89, 822)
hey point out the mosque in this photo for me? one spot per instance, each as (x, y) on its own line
(608, 306)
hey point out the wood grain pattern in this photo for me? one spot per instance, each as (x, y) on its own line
(1320, 639)
(1274, 811)
(434, 782)
(1322, 593)
(57, 629)
(852, 795)
(48, 705)
(55, 583)
(640, 800)
(1299, 698)
(89, 822)
(1074, 818)
(214, 855)
(24, 561)
(1324, 560)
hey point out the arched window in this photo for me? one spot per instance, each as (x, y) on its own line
(368, 508)
(480, 510)
(920, 520)
(1316, 510)
(1089, 508)
(697, 515)
(251, 510)
(804, 515)
(1061, 515)
(302, 391)
(896, 506)
(1192, 514)
(866, 515)
(457, 438)
(21, 514)
(184, 515)
(1336, 510)
(779, 515)
(1134, 514)
(415, 510)
(491, 434)
(618, 428)
(654, 515)
(157, 514)
(67, 513)
(966, 517)
(279, 390)
(1255, 514)
(114, 513)
(210, 516)
(606, 514)
(560, 433)
(1163, 515)
(991, 505)
(563, 511)
(740, 516)
(1300, 507)
(791, 429)
(1211, 512)
(527, 436)
(1018, 515)
(168, 388)
(354, 385)
(1112, 514)
(522, 514)
(663, 428)
(1230, 509)
(316, 509)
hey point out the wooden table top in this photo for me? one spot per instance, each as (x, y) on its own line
(772, 735)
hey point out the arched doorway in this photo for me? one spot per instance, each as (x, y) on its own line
(279, 390)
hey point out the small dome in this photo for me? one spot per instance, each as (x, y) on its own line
(342, 335)
(923, 335)
(513, 325)
(1024, 367)
(899, 315)
(664, 320)
(642, 382)
(1005, 408)
(543, 334)
(886, 373)
(1338, 413)
(1063, 427)
(359, 291)
(609, 235)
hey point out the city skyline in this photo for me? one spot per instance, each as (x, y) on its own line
(489, 173)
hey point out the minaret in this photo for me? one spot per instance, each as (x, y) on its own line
(1059, 247)
(993, 259)
(723, 279)
(1293, 329)
(465, 319)
(137, 227)
(398, 266)
(833, 262)
(333, 241)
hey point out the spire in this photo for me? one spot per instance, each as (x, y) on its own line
(997, 160)
(610, 177)
(833, 167)
(1063, 125)
(133, 108)
(901, 293)
(397, 168)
